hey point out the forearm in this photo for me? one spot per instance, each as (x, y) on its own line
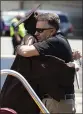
(27, 51)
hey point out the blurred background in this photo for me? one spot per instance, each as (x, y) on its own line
(72, 8)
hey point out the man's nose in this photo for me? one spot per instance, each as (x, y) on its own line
(36, 33)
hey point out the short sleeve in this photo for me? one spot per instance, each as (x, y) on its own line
(56, 47)
(47, 47)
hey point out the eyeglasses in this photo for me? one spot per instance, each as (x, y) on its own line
(40, 30)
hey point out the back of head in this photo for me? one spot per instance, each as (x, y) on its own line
(53, 19)
(18, 17)
(30, 24)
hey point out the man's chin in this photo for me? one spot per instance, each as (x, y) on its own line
(39, 40)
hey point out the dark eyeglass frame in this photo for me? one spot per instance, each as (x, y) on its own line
(40, 30)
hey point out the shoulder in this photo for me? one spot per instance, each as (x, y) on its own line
(62, 39)
(57, 39)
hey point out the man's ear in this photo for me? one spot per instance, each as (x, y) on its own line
(53, 31)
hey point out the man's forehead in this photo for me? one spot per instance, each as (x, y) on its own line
(43, 24)
(44, 21)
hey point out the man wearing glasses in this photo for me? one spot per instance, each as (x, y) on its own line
(49, 43)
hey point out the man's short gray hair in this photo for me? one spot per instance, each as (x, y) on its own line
(53, 19)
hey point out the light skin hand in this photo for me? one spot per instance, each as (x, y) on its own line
(30, 41)
(76, 54)
(27, 51)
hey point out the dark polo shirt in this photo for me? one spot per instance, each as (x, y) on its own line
(56, 46)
